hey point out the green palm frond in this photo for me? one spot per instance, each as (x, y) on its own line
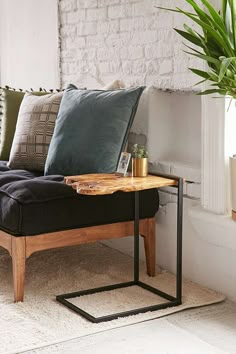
(215, 43)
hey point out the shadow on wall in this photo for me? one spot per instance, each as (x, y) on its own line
(169, 123)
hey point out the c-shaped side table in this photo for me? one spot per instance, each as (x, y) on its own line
(100, 184)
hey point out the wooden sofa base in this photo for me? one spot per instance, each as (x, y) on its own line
(21, 247)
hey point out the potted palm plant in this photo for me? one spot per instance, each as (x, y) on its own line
(215, 44)
(139, 161)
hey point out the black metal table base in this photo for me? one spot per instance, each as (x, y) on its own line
(171, 300)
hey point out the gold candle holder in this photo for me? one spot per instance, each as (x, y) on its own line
(139, 167)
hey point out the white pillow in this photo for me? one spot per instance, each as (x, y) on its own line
(115, 85)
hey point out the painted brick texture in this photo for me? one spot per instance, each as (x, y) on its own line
(131, 40)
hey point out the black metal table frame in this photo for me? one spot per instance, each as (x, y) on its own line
(172, 301)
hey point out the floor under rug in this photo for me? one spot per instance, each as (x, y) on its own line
(40, 320)
(203, 330)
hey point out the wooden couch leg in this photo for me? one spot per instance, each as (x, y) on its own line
(18, 267)
(150, 246)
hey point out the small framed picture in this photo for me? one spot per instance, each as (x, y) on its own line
(123, 164)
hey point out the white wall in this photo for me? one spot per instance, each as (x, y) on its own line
(124, 39)
(29, 44)
(171, 121)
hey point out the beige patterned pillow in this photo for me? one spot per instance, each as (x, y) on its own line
(34, 129)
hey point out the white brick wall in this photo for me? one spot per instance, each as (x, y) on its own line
(131, 40)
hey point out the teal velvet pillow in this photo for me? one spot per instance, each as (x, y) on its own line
(91, 130)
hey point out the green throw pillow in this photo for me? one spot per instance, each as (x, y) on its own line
(10, 101)
(91, 130)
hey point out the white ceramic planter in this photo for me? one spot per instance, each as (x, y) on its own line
(232, 162)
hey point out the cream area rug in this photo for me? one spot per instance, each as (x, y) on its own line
(41, 321)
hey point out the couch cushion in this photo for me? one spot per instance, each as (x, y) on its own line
(31, 204)
(91, 130)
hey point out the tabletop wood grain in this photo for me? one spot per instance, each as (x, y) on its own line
(100, 184)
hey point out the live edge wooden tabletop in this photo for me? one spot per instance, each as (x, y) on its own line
(100, 184)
